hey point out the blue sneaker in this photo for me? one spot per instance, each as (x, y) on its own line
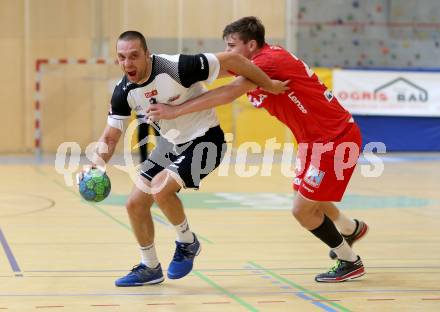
(183, 258)
(141, 275)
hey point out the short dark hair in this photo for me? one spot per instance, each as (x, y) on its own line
(134, 35)
(248, 28)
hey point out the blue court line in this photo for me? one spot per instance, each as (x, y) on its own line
(12, 261)
(318, 304)
(329, 307)
(242, 293)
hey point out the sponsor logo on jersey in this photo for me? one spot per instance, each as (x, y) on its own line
(297, 102)
(307, 189)
(173, 98)
(257, 102)
(314, 176)
(151, 93)
(328, 95)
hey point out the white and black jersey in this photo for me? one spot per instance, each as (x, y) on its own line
(174, 79)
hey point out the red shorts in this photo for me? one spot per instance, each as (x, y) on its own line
(323, 170)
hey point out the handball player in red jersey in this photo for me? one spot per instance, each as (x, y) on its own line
(329, 141)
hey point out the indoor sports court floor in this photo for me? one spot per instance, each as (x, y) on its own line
(60, 253)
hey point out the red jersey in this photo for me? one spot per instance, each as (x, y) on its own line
(309, 109)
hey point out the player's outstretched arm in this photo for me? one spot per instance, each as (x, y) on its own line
(215, 97)
(241, 66)
(110, 137)
(104, 150)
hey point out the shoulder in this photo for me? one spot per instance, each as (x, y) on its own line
(121, 90)
(124, 85)
(167, 57)
(270, 53)
(189, 69)
(165, 64)
(266, 60)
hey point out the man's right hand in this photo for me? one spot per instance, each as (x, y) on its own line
(161, 111)
(85, 169)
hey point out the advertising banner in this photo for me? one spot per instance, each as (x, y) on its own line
(388, 93)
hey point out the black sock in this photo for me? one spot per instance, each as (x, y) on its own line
(328, 233)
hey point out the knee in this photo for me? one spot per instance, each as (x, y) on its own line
(298, 212)
(133, 207)
(302, 213)
(136, 207)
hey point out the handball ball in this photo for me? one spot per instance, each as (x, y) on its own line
(94, 185)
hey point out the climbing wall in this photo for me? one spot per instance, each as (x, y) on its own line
(374, 33)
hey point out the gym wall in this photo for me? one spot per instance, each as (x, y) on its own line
(54, 29)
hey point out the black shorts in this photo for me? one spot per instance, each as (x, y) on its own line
(191, 161)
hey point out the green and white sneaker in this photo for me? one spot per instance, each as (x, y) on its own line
(342, 271)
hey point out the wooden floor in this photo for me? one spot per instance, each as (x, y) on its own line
(60, 253)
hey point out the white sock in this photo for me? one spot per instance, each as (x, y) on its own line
(344, 252)
(184, 235)
(345, 225)
(149, 256)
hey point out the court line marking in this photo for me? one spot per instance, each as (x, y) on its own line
(300, 294)
(106, 305)
(316, 303)
(51, 204)
(224, 291)
(12, 261)
(243, 293)
(244, 269)
(380, 299)
(156, 217)
(297, 286)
